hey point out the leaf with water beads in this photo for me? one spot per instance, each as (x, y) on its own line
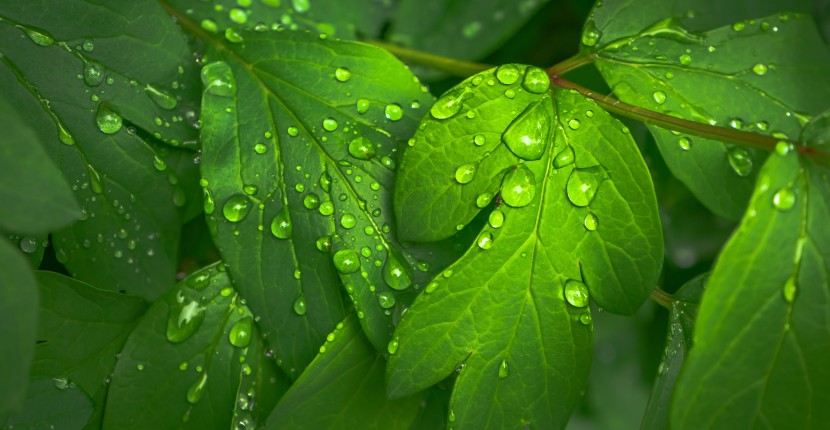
(762, 328)
(325, 172)
(669, 69)
(216, 371)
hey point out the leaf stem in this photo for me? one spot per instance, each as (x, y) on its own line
(572, 63)
(662, 298)
(458, 68)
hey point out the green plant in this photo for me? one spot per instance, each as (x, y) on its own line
(384, 259)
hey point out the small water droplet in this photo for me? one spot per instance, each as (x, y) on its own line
(362, 106)
(760, 69)
(240, 333)
(741, 160)
(485, 240)
(311, 201)
(479, 140)
(346, 261)
(738, 26)
(40, 37)
(508, 74)
(685, 143)
(28, 245)
(233, 36)
(496, 219)
(342, 74)
(395, 274)
(108, 121)
(293, 131)
(659, 97)
(591, 222)
(330, 124)
(218, 79)
(783, 148)
(393, 112)
(504, 371)
(386, 300)
(483, 199)
(583, 184)
(471, 29)
(197, 390)
(260, 148)
(518, 187)
(536, 80)
(576, 293)
(392, 347)
(209, 26)
(450, 103)
(93, 75)
(685, 59)
(348, 220)
(783, 199)
(362, 149)
(564, 157)
(528, 134)
(590, 34)
(160, 98)
(236, 208)
(184, 320)
(585, 319)
(300, 306)
(326, 208)
(465, 173)
(281, 226)
(790, 290)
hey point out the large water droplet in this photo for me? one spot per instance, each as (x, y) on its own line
(300, 306)
(241, 331)
(218, 79)
(508, 74)
(576, 293)
(346, 261)
(160, 98)
(395, 274)
(741, 160)
(197, 390)
(518, 187)
(281, 226)
(450, 103)
(503, 369)
(583, 184)
(536, 80)
(183, 320)
(528, 135)
(783, 199)
(108, 121)
(465, 173)
(236, 208)
(362, 149)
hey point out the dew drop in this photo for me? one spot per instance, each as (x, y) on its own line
(64, 136)
(260, 148)
(479, 140)
(659, 97)
(28, 245)
(450, 103)
(311, 201)
(564, 157)
(738, 26)
(465, 173)
(348, 220)
(485, 240)
(160, 98)
(386, 300)
(503, 369)
(432, 286)
(574, 124)
(685, 59)
(395, 274)
(108, 121)
(240, 334)
(392, 347)
(209, 205)
(591, 222)
(741, 160)
(326, 208)
(330, 124)
(325, 182)
(508, 74)
(590, 34)
(41, 38)
(293, 131)
(471, 29)
(685, 143)
(783, 148)
(300, 306)
(233, 36)
(585, 319)
(576, 293)
(518, 187)
(393, 112)
(197, 390)
(95, 181)
(790, 290)
(281, 226)
(536, 80)
(528, 135)
(218, 79)
(346, 261)
(760, 69)
(583, 183)
(209, 26)
(362, 149)
(496, 219)
(362, 106)
(236, 208)
(783, 199)
(342, 74)
(323, 243)
(483, 199)
(184, 320)
(93, 76)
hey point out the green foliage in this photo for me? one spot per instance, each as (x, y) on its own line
(254, 214)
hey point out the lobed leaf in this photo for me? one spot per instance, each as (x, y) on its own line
(576, 213)
(300, 138)
(762, 331)
(196, 358)
(719, 77)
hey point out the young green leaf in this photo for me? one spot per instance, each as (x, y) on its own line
(18, 318)
(679, 341)
(717, 78)
(761, 337)
(299, 146)
(51, 403)
(196, 358)
(512, 312)
(70, 79)
(347, 377)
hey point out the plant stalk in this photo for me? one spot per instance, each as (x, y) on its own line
(453, 67)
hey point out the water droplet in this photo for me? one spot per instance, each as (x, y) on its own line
(300, 306)
(301, 6)
(395, 274)
(40, 37)
(325, 182)
(536, 80)
(393, 112)
(28, 245)
(485, 240)
(209, 26)
(160, 98)
(293, 131)
(330, 124)
(250, 189)
(496, 219)
(483, 199)
(465, 173)
(738, 26)
(790, 290)
(392, 347)
(783, 148)
(783, 199)
(233, 36)
(62, 383)
(685, 59)
(585, 319)
(197, 390)
(95, 181)
(218, 79)
(508, 74)
(741, 160)
(528, 135)
(326, 208)
(503, 369)
(236, 208)
(518, 187)
(591, 222)
(386, 300)
(760, 69)
(564, 157)
(590, 34)
(346, 261)
(240, 334)
(260, 148)
(281, 226)
(93, 76)
(362, 149)
(451, 417)
(64, 136)
(576, 293)
(108, 121)
(685, 143)
(471, 29)
(362, 105)
(184, 320)
(450, 103)
(348, 220)
(583, 183)
(311, 201)
(659, 97)
(342, 74)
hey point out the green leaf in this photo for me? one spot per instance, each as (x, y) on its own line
(80, 330)
(18, 321)
(463, 30)
(300, 137)
(718, 78)
(512, 312)
(346, 377)
(344, 19)
(196, 358)
(68, 407)
(679, 341)
(66, 72)
(761, 337)
(42, 198)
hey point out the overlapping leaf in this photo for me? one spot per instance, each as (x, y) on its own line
(299, 147)
(196, 358)
(347, 377)
(68, 407)
(747, 76)
(83, 75)
(576, 212)
(762, 335)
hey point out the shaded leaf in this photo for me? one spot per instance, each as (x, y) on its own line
(300, 140)
(196, 358)
(33, 247)
(68, 407)
(761, 337)
(719, 78)
(18, 321)
(346, 377)
(512, 313)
